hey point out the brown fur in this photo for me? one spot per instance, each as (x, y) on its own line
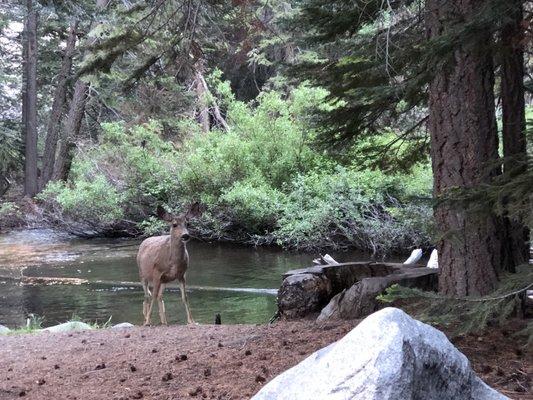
(163, 259)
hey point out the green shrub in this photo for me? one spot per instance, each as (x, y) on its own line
(352, 209)
(94, 201)
(261, 181)
(256, 207)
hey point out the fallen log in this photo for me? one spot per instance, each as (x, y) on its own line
(305, 292)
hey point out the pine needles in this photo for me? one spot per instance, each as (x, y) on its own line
(470, 314)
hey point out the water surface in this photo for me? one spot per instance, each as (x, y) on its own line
(238, 282)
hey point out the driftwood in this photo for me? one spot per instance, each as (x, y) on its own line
(349, 288)
(415, 256)
(326, 259)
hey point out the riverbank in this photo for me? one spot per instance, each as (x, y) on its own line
(207, 361)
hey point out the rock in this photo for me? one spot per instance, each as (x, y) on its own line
(303, 294)
(69, 326)
(388, 356)
(360, 299)
(122, 325)
(4, 330)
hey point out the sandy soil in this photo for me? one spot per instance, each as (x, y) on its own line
(211, 362)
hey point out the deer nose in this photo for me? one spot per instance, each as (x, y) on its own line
(185, 237)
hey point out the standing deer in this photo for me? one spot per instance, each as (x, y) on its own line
(163, 259)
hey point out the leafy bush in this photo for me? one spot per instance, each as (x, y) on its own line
(117, 180)
(94, 200)
(261, 181)
(352, 209)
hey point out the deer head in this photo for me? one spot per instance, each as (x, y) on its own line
(178, 223)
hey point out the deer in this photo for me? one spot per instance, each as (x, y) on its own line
(163, 259)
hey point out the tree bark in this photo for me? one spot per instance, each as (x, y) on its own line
(464, 141)
(516, 245)
(30, 101)
(203, 109)
(54, 124)
(71, 130)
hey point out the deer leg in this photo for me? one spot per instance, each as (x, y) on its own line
(185, 301)
(147, 298)
(161, 305)
(155, 292)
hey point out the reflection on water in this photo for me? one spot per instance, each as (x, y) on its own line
(238, 282)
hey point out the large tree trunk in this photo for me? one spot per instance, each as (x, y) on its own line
(30, 101)
(516, 246)
(58, 105)
(463, 141)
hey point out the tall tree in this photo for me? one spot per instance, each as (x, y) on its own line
(464, 143)
(29, 98)
(58, 105)
(514, 122)
(379, 67)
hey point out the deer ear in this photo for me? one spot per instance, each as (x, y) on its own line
(161, 213)
(194, 211)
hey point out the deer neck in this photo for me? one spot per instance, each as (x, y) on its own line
(178, 252)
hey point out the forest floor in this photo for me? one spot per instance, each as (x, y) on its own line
(205, 361)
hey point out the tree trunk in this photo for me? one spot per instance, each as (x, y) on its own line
(58, 105)
(203, 109)
(71, 130)
(30, 101)
(516, 245)
(464, 140)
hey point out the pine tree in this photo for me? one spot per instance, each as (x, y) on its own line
(429, 63)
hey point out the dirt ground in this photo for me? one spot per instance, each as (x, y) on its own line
(205, 361)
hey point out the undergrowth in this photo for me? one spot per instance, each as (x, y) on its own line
(471, 314)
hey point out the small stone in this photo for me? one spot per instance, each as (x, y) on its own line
(121, 380)
(207, 372)
(154, 350)
(138, 395)
(43, 358)
(195, 392)
(248, 353)
(260, 379)
(41, 382)
(167, 377)
(262, 357)
(486, 369)
(181, 357)
(220, 344)
(100, 366)
(133, 368)
(84, 341)
(239, 364)
(127, 336)
(22, 393)
(56, 366)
